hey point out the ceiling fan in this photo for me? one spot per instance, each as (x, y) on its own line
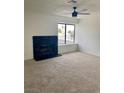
(75, 13)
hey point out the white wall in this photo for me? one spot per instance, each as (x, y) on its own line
(39, 24)
(88, 34)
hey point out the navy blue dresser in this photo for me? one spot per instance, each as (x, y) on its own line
(45, 47)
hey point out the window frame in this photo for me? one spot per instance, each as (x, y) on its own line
(66, 31)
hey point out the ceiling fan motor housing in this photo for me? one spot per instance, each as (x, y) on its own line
(74, 8)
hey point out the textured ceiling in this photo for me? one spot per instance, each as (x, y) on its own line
(60, 7)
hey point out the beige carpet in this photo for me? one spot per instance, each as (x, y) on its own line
(70, 73)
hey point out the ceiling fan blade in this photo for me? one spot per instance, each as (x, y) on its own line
(67, 13)
(72, 1)
(69, 1)
(84, 13)
(83, 10)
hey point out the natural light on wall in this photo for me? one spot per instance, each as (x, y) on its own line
(66, 33)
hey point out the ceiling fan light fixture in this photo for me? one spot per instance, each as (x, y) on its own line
(74, 14)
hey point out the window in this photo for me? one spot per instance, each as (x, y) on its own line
(61, 33)
(66, 33)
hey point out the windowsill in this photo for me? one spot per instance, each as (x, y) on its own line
(66, 44)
